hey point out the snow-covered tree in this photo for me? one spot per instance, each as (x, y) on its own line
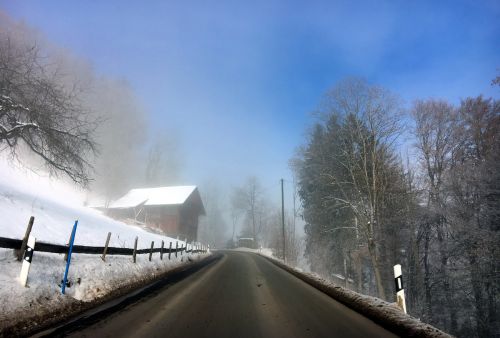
(40, 108)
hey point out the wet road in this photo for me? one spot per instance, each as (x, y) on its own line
(241, 295)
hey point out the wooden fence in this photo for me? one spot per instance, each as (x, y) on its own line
(10, 243)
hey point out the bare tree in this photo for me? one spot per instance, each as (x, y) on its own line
(162, 164)
(121, 137)
(249, 200)
(371, 124)
(474, 186)
(40, 110)
(436, 129)
(213, 226)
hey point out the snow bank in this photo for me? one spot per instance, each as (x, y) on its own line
(385, 314)
(55, 207)
(91, 282)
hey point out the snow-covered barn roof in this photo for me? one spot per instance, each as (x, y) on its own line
(154, 196)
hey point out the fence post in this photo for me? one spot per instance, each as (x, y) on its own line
(68, 262)
(400, 291)
(103, 257)
(151, 251)
(169, 250)
(176, 247)
(20, 253)
(135, 248)
(28, 256)
(161, 251)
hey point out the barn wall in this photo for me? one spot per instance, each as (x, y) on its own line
(189, 222)
(164, 218)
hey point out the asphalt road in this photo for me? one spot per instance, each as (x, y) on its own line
(241, 295)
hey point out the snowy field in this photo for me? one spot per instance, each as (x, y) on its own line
(55, 207)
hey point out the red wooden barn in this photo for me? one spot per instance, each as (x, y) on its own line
(171, 210)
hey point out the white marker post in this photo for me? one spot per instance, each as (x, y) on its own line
(28, 256)
(400, 291)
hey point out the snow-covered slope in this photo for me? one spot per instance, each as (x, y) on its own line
(56, 206)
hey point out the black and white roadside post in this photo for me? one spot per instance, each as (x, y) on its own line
(28, 256)
(25, 239)
(400, 291)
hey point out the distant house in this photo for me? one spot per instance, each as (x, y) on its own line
(171, 210)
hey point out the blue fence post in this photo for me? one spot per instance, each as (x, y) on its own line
(72, 240)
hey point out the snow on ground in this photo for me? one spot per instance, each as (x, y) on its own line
(55, 207)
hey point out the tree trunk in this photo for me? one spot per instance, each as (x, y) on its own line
(482, 327)
(427, 277)
(376, 269)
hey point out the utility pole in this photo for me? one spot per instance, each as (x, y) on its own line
(283, 220)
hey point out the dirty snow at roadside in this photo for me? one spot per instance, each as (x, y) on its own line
(55, 207)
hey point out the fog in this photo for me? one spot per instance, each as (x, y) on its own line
(189, 146)
(130, 152)
(225, 96)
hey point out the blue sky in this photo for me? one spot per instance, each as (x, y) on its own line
(237, 81)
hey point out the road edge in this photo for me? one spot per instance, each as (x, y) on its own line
(381, 312)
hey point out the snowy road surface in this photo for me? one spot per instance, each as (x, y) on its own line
(241, 295)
